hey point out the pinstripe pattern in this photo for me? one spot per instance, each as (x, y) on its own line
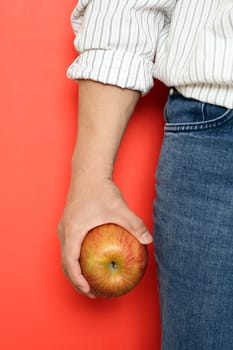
(184, 43)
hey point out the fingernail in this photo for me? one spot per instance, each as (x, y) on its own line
(147, 238)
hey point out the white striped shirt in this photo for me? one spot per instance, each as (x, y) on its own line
(184, 43)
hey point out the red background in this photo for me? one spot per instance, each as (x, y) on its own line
(38, 307)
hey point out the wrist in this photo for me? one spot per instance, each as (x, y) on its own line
(91, 170)
(84, 184)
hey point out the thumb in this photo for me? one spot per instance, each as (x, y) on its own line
(136, 226)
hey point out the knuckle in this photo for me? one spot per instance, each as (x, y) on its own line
(78, 287)
(64, 266)
(69, 227)
(66, 230)
(65, 263)
(60, 229)
(138, 227)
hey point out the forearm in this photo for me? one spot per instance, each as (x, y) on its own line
(103, 114)
(93, 197)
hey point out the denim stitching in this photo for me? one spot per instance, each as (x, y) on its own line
(200, 125)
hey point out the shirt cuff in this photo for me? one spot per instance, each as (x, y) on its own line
(119, 68)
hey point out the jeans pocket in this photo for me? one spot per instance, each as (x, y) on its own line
(213, 112)
(187, 114)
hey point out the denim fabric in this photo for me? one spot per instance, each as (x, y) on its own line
(193, 230)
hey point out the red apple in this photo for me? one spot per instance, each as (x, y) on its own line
(112, 260)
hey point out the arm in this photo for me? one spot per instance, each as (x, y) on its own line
(117, 48)
(93, 198)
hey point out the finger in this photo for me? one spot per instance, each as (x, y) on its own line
(136, 226)
(71, 253)
(81, 291)
(73, 273)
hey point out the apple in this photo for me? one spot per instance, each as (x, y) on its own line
(112, 260)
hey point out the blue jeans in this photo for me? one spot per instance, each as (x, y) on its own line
(193, 231)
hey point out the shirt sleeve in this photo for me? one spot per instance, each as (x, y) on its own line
(116, 41)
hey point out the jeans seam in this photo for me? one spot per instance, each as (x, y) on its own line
(202, 111)
(200, 125)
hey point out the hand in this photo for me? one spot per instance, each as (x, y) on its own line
(88, 206)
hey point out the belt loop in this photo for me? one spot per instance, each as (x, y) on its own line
(171, 91)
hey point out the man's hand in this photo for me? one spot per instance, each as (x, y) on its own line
(91, 205)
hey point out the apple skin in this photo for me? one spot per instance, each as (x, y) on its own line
(112, 260)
